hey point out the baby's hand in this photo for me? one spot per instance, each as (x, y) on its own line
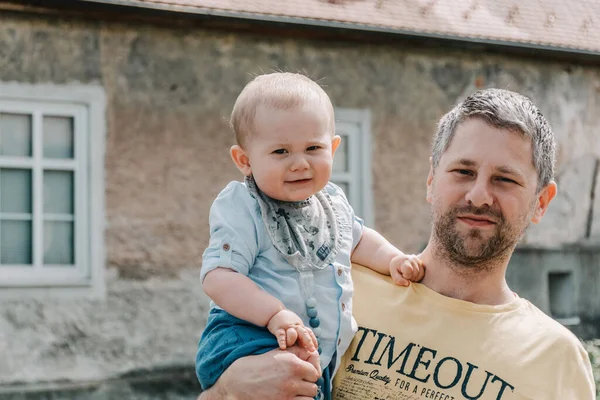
(289, 328)
(406, 268)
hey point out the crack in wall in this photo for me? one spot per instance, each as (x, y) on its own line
(588, 231)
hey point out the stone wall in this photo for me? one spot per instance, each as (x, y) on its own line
(141, 326)
(170, 90)
(563, 283)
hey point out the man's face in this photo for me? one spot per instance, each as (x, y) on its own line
(483, 193)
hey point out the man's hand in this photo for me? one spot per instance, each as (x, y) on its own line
(406, 268)
(289, 328)
(277, 375)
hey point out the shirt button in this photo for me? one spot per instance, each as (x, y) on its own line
(339, 341)
(226, 246)
(339, 272)
(343, 306)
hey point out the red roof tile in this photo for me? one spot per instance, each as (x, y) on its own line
(570, 24)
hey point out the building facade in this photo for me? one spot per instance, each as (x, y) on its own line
(114, 142)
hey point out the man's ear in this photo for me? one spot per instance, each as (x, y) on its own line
(428, 197)
(545, 196)
(241, 160)
(335, 143)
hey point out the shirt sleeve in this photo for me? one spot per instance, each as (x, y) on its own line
(579, 382)
(233, 235)
(358, 226)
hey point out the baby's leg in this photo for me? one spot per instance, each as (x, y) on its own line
(224, 340)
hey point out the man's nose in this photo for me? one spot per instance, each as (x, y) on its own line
(299, 163)
(480, 194)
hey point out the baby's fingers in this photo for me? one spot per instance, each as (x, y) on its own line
(280, 335)
(412, 269)
(291, 336)
(398, 278)
(305, 338)
(419, 268)
(408, 270)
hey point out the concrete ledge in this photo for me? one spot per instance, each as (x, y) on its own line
(169, 383)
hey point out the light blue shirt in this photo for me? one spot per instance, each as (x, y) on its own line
(239, 240)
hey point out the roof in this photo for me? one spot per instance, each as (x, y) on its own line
(553, 24)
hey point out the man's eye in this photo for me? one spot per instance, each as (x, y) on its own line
(280, 151)
(463, 172)
(312, 148)
(503, 179)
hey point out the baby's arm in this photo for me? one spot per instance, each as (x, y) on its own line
(242, 298)
(375, 252)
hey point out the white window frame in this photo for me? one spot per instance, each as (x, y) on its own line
(86, 105)
(359, 175)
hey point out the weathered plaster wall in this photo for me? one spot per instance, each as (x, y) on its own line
(169, 93)
(142, 325)
(529, 273)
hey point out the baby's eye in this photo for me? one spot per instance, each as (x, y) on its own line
(311, 148)
(280, 151)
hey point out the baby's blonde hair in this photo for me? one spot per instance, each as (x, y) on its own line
(280, 90)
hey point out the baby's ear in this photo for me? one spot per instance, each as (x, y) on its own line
(335, 143)
(240, 159)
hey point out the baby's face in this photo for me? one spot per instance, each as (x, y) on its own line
(291, 151)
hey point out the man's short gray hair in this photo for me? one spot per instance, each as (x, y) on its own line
(506, 110)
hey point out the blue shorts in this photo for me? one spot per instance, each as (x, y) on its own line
(227, 338)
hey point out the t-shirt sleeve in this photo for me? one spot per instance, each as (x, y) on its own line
(233, 235)
(579, 382)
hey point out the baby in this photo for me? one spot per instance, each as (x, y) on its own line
(282, 242)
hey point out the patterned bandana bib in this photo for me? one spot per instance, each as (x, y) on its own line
(306, 232)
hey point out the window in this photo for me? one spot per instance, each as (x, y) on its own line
(561, 291)
(51, 186)
(352, 162)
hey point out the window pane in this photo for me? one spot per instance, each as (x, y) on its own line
(15, 242)
(340, 161)
(15, 135)
(58, 243)
(58, 137)
(15, 190)
(58, 192)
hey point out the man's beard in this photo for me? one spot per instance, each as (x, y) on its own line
(481, 253)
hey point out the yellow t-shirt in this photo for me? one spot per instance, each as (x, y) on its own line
(414, 343)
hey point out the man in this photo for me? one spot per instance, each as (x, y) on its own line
(461, 333)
